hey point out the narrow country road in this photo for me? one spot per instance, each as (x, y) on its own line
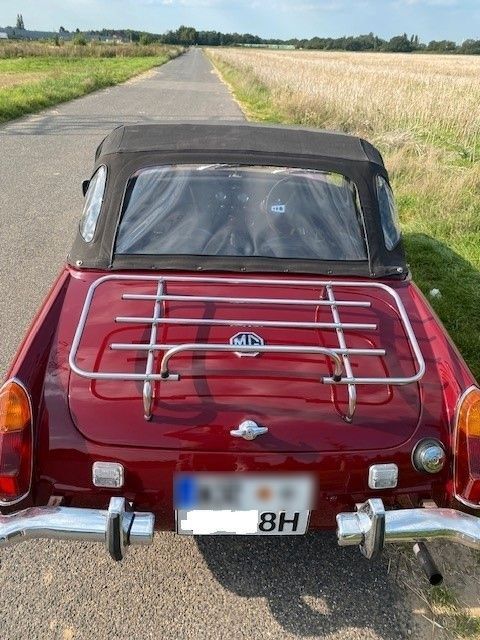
(180, 588)
(45, 157)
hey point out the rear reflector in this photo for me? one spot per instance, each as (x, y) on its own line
(383, 476)
(108, 474)
(467, 449)
(15, 442)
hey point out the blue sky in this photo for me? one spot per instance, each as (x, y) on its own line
(431, 19)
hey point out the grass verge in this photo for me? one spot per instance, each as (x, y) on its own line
(437, 189)
(446, 612)
(33, 83)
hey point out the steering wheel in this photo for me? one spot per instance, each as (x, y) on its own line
(281, 205)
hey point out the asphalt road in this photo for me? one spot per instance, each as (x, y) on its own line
(182, 588)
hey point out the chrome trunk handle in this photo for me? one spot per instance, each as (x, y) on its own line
(248, 430)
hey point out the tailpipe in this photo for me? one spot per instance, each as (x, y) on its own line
(427, 563)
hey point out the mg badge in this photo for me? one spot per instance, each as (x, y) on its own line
(247, 339)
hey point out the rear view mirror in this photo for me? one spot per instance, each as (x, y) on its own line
(85, 185)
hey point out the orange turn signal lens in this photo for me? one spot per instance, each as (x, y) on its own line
(15, 412)
(15, 442)
(467, 449)
(469, 414)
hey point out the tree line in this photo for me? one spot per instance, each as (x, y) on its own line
(369, 42)
(188, 36)
(398, 44)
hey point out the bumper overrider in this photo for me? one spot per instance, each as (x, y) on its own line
(370, 527)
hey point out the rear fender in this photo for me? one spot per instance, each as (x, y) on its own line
(453, 373)
(30, 362)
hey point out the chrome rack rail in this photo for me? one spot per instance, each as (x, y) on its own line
(339, 356)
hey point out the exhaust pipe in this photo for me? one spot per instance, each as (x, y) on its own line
(427, 563)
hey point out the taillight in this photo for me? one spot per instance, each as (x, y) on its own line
(15, 442)
(467, 449)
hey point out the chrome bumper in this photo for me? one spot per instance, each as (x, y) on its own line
(116, 527)
(371, 527)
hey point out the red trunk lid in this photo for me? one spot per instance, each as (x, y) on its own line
(218, 390)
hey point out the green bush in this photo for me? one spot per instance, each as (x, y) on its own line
(80, 40)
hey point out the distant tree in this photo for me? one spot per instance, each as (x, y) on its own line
(187, 35)
(77, 30)
(442, 46)
(80, 39)
(147, 38)
(134, 36)
(20, 24)
(471, 47)
(62, 30)
(399, 44)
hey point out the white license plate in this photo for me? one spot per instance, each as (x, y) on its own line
(245, 522)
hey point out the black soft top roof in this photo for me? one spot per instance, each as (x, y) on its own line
(129, 148)
(242, 138)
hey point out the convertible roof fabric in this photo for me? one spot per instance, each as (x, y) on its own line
(241, 138)
(129, 148)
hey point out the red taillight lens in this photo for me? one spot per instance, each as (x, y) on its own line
(467, 449)
(15, 442)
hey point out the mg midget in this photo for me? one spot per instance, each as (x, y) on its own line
(235, 346)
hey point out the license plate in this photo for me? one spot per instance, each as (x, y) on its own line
(242, 503)
(248, 523)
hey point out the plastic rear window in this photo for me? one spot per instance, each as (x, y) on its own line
(221, 210)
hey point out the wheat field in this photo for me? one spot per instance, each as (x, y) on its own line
(423, 112)
(435, 97)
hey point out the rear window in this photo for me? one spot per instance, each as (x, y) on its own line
(220, 210)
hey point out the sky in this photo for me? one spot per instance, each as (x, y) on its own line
(430, 19)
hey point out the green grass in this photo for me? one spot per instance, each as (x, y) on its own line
(438, 192)
(30, 84)
(451, 615)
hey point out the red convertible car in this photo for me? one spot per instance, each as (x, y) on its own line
(235, 346)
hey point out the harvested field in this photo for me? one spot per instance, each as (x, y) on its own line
(423, 111)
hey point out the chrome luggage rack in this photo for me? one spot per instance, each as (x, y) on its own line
(339, 356)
